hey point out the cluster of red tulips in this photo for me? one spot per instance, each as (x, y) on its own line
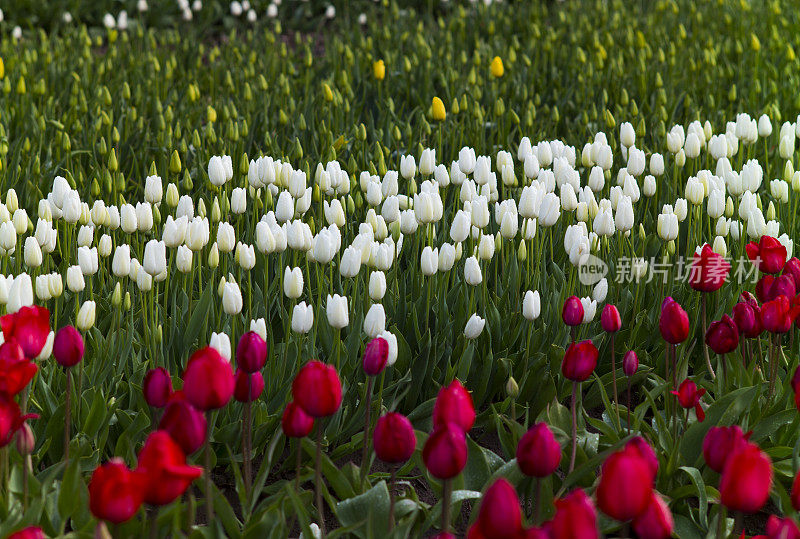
(631, 470)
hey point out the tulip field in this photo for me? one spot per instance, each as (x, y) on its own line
(399, 268)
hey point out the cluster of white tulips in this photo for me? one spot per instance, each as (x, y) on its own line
(563, 192)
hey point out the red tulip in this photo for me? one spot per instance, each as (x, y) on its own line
(317, 389)
(769, 255)
(630, 363)
(29, 326)
(11, 419)
(626, 485)
(748, 319)
(163, 463)
(26, 442)
(208, 380)
(68, 346)
(674, 322)
(796, 492)
(375, 356)
(610, 319)
(689, 397)
(157, 387)
(185, 423)
(31, 532)
(783, 285)
(251, 352)
(720, 443)
(500, 515)
(445, 451)
(645, 451)
(538, 451)
(572, 313)
(781, 528)
(454, 405)
(295, 422)
(656, 521)
(723, 335)
(575, 518)
(796, 387)
(249, 386)
(394, 439)
(15, 370)
(792, 268)
(708, 271)
(746, 479)
(748, 298)
(579, 361)
(777, 315)
(115, 492)
(763, 287)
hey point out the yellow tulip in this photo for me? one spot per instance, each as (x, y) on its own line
(437, 108)
(379, 70)
(497, 67)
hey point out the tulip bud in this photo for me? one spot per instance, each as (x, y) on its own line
(538, 452)
(572, 312)
(445, 451)
(26, 442)
(394, 439)
(317, 389)
(295, 422)
(208, 379)
(68, 346)
(248, 386)
(157, 387)
(628, 470)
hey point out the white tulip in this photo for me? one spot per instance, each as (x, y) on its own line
(88, 260)
(144, 217)
(47, 349)
(153, 189)
(183, 259)
(20, 293)
(221, 343)
(259, 326)
(447, 257)
(427, 162)
(377, 285)
(486, 247)
(531, 305)
(75, 281)
(375, 321)
(232, 299)
(155, 257)
(105, 245)
(217, 174)
(408, 166)
(466, 160)
(121, 263)
(429, 261)
(238, 200)
(337, 312)
(32, 252)
(472, 271)
(86, 315)
(627, 136)
(245, 256)
(589, 309)
(292, 282)
(474, 327)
